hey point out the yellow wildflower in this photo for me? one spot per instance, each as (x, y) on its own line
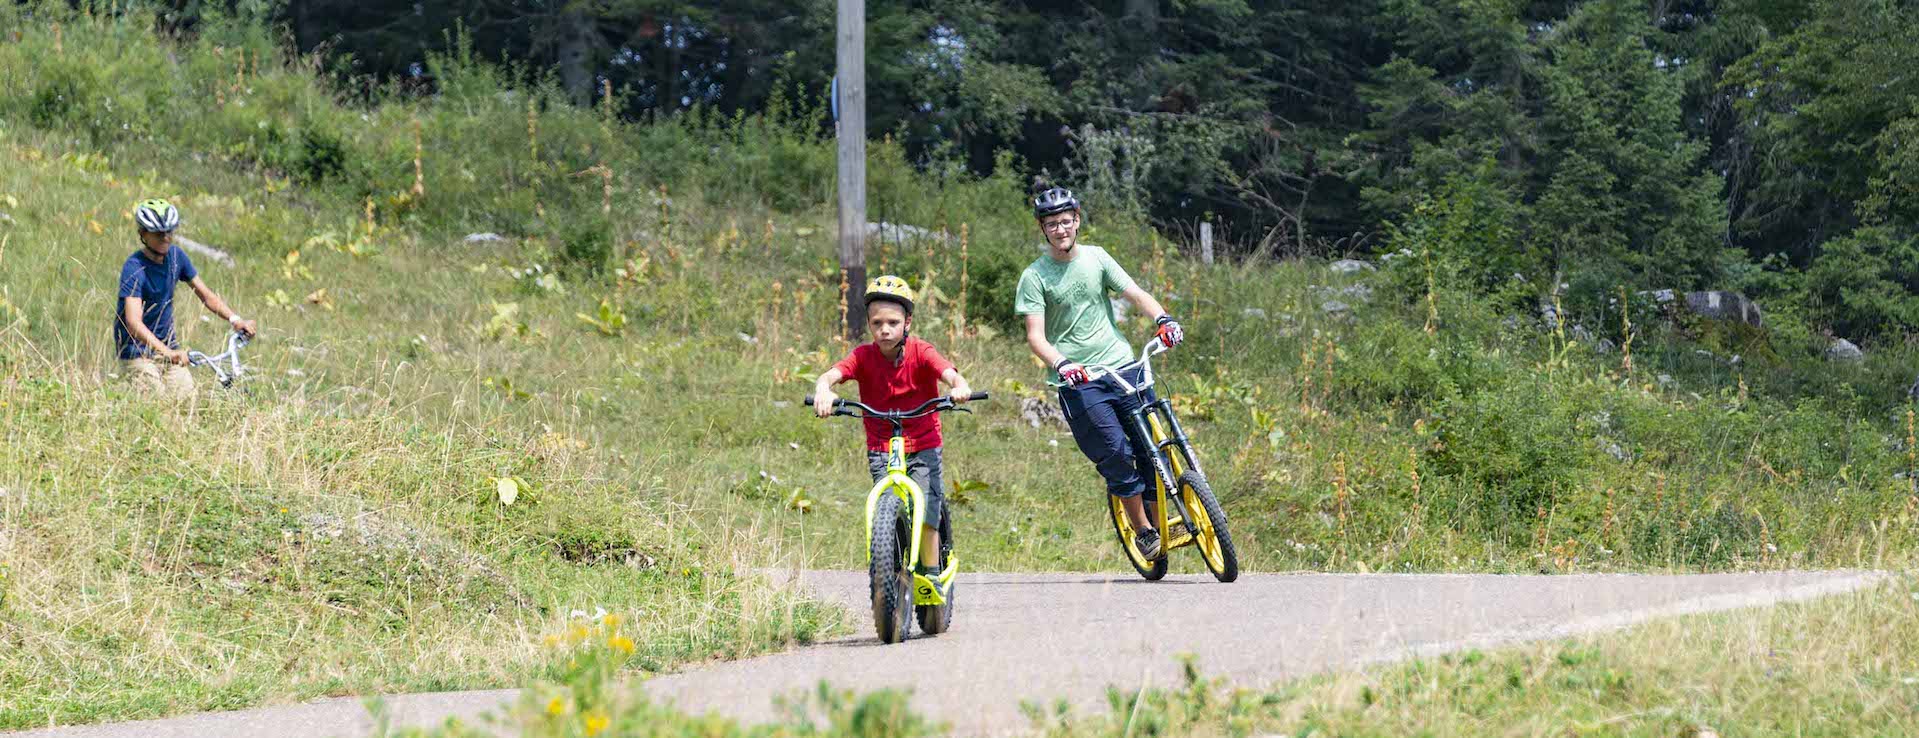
(610, 621)
(621, 643)
(557, 707)
(596, 721)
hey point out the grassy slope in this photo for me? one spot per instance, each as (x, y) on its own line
(1361, 443)
(305, 538)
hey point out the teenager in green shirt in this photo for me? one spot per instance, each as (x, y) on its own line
(1063, 297)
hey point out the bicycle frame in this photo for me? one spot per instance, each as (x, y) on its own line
(896, 481)
(231, 357)
(1156, 422)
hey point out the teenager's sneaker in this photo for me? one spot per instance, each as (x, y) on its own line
(1148, 542)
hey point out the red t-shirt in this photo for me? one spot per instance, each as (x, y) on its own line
(885, 385)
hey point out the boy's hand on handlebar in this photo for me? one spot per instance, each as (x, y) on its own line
(1169, 331)
(823, 403)
(1071, 373)
(174, 356)
(961, 394)
(248, 328)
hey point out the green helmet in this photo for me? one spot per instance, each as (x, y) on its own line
(157, 216)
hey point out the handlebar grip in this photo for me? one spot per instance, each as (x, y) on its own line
(976, 396)
(809, 400)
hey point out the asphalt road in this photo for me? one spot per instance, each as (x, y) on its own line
(1046, 637)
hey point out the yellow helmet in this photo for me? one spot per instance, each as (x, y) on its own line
(890, 289)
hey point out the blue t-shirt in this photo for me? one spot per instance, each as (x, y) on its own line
(153, 283)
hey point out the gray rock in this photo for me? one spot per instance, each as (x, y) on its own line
(1039, 411)
(1334, 307)
(1612, 449)
(1605, 346)
(1659, 296)
(1348, 266)
(1354, 292)
(1664, 380)
(1388, 258)
(1254, 313)
(896, 233)
(1844, 350)
(1581, 334)
(203, 250)
(1913, 391)
(1548, 314)
(483, 238)
(1727, 306)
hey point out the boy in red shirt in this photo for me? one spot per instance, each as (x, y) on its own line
(898, 372)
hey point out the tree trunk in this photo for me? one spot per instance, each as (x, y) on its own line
(739, 69)
(850, 55)
(1144, 15)
(577, 39)
(673, 68)
(301, 12)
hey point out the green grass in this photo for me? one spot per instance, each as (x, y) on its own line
(402, 370)
(234, 552)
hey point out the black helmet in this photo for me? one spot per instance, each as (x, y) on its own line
(1054, 201)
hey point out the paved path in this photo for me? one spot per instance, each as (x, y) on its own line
(1051, 636)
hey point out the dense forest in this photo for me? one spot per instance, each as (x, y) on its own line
(1763, 146)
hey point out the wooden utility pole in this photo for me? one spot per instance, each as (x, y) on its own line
(852, 160)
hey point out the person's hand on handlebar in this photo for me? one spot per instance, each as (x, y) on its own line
(248, 328)
(823, 403)
(961, 394)
(173, 356)
(1169, 331)
(1070, 373)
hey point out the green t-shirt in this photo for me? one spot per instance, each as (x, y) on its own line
(1073, 297)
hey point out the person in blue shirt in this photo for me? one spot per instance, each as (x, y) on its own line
(143, 332)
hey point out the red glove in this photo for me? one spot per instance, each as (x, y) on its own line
(1070, 373)
(1169, 331)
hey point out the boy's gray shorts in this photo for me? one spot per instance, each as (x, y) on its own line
(924, 468)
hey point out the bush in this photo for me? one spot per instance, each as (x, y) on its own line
(586, 246)
(1866, 283)
(1516, 446)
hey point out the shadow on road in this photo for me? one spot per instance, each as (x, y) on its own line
(1095, 580)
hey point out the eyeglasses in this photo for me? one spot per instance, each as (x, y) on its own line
(1059, 225)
